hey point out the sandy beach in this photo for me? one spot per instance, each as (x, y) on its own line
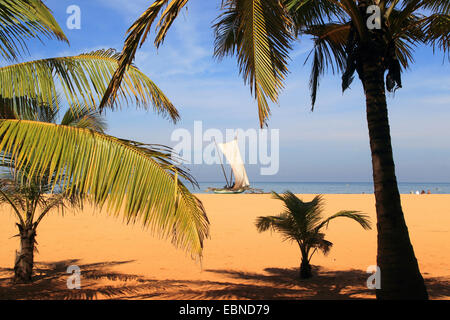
(126, 262)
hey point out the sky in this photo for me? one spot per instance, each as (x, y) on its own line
(330, 144)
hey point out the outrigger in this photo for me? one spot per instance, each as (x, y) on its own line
(241, 183)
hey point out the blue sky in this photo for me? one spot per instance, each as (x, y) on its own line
(329, 144)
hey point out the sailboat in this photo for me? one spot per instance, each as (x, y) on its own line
(231, 152)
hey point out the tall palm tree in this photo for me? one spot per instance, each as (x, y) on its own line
(260, 34)
(144, 182)
(302, 222)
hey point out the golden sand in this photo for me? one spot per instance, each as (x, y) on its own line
(120, 261)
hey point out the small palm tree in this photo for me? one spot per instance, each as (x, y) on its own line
(32, 198)
(302, 222)
(31, 201)
(144, 182)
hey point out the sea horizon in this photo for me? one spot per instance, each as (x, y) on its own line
(332, 187)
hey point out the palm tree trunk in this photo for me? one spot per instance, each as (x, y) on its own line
(23, 267)
(400, 275)
(305, 269)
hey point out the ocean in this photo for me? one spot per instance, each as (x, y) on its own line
(333, 187)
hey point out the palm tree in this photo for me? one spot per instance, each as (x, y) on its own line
(260, 34)
(302, 222)
(31, 203)
(33, 199)
(143, 182)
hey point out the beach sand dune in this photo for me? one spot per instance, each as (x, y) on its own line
(126, 262)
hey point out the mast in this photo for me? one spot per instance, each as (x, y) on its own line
(221, 164)
(233, 155)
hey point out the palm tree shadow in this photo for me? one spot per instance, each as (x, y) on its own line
(438, 287)
(98, 281)
(326, 284)
(50, 281)
(285, 283)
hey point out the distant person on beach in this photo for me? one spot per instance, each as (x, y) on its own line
(423, 192)
(429, 192)
(417, 192)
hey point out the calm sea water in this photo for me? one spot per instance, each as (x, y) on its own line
(333, 187)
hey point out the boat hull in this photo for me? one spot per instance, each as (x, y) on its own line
(228, 191)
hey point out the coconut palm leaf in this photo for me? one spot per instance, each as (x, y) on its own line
(168, 16)
(306, 215)
(115, 175)
(79, 116)
(283, 223)
(329, 52)
(262, 53)
(21, 20)
(27, 109)
(83, 80)
(25, 199)
(436, 29)
(297, 222)
(359, 217)
(137, 34)
(437, 6)
(306, 13)
(406, 36)
(85, 118)
(165, 157)
(258, 33)
(357, 18)
(319, 242)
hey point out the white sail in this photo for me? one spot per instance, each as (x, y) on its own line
(233, 155)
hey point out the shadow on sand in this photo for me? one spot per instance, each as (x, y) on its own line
(99, 282)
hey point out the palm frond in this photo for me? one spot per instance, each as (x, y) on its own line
(329, 52)
(306, 215)
(267, 223)
(437, 6)
(308, 13)
(356, 15)
(257, 32)
(85, 118)
(403, 13)
(436, 29)
(83, 80)
(25, 108)
(406, 35)
(26, 198)
(319, 242)
(114, 174)
(137, 35)
(359, 217)
(434, 6)
(284, 224)
(168, 16)
(21, 20)
(165, 158)
(9, 195)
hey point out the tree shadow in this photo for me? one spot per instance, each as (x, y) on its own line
(50, 281)
(98, 281)
(286, 284)
(438, 287)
